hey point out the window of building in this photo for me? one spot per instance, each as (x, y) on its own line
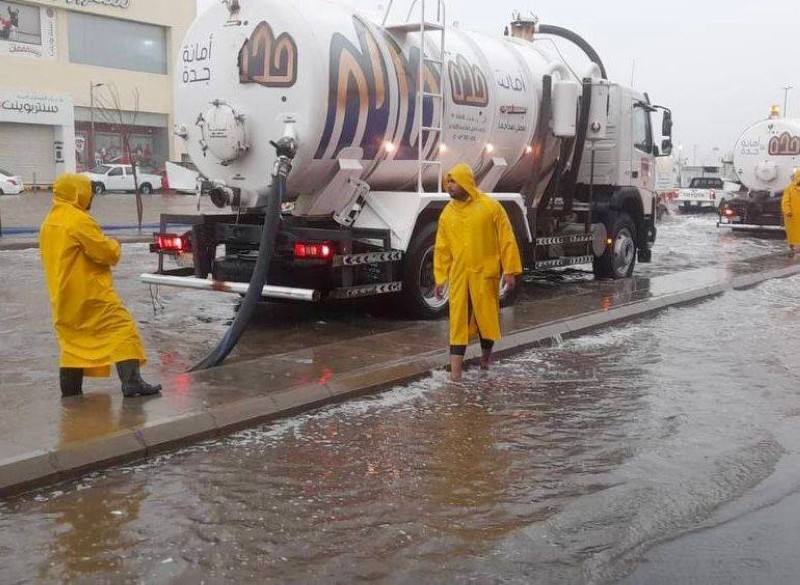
(108, 42)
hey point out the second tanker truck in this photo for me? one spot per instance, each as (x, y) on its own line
(765, 158)
(332, 129)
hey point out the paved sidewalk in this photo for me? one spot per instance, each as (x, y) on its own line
(21, 215)
(48, 440)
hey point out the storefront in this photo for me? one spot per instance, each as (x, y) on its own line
(37, 136)
(149, 144)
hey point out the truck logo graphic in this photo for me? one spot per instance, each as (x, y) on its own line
(372, 97)
(468, 84)
(784, 145)
(268, 61)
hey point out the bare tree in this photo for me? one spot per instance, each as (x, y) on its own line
(111, 111)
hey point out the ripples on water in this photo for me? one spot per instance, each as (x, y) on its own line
(564, 464)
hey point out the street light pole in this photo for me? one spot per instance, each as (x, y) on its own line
(786, 89)
(92, 86)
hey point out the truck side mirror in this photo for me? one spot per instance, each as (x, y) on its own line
(666, 147)
(666, 124)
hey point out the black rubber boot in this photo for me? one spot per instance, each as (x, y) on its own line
(132, 383)
(71, 381)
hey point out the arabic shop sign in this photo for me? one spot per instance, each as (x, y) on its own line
(117, 3)
(35, 109)
(86, 3)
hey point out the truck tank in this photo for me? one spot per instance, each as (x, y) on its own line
(346, 88)
(767, 154)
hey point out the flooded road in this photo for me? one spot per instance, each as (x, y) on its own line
(179, 327)
(569, 464)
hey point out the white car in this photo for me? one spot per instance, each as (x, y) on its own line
(10, 184)
(120, 178)
(702, 194)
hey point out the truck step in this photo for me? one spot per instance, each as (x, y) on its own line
(573, 239)
(367, 258)
(563, 261)
(414, 27)
(355, 292)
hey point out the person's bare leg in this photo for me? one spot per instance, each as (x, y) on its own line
(486, 358)
(456, 367)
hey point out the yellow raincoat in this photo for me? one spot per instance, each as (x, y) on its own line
(475, 244)
(93, 328)
(790, 205)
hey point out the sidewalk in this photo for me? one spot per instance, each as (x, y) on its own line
(48, 440)
(21, 215)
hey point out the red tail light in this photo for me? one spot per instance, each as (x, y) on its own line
(173, 244)
(313, 251)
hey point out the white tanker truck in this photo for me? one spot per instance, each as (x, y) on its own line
(765, 158)
(368, 114)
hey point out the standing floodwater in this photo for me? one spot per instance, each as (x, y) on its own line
(565, 464)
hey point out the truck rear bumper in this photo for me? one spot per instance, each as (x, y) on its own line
(272, 292)
(750, 227)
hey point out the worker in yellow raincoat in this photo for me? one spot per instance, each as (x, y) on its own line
(93, 328)
(790, 205)
(475, 245)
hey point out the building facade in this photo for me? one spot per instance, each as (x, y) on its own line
(84, 82)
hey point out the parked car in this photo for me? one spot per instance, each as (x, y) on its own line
(10, 184)
(120, 178)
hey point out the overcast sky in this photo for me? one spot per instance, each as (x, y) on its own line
(718, 65)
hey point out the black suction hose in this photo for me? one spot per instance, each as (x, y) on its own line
(565, 33)
(286, 148)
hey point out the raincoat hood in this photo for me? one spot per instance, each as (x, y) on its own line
(796, 179)
(462, 175)
(73, 189)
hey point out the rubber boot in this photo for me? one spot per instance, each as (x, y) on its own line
(71, 381)
(132, 383)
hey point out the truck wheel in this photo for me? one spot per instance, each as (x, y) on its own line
(146, 189)
(418, 280)
(98, 188)
(619, 257)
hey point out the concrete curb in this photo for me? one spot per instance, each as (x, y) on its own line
(38, 468)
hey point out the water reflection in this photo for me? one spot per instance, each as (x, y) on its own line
(91, 537)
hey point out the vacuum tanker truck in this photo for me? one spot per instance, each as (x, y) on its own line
(350, 120)
(765, 158)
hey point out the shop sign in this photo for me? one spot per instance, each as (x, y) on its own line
(27, 31)
(117, 3)
(25, 108)
(87, 4)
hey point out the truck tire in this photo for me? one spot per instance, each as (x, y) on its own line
(619, 258)
(418, 279)
(146, 189)
(98, 188)
(419, 283)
